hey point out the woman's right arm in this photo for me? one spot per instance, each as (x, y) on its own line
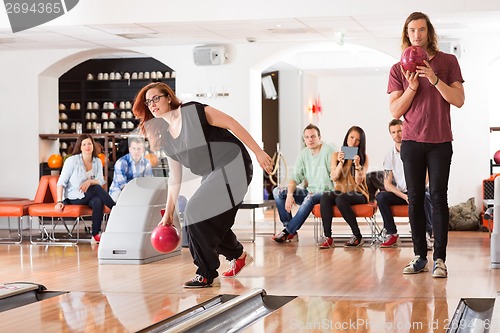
(174, 186)
(67, 170)
(59, 205)
(336, 163)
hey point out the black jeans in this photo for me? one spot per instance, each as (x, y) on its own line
(387, 199)
(343, 201)
(96, 198)
(436, 159)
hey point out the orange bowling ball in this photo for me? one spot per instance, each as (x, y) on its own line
(165, 239)
(153, 159)
(102, 157)
(55, 161)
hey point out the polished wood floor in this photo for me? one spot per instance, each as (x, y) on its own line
(339, 290)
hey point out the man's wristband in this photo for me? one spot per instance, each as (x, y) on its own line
(436, 81)
(60, 201)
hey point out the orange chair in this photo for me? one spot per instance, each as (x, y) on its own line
(366, 211)
(74, 212)
(18, 207)
(401, 211)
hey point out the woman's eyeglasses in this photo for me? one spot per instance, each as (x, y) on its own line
(154, 99)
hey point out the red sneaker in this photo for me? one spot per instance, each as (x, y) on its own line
(390, 241)
(236, 265)
(96, 239)
(293, 238)
(328, 243)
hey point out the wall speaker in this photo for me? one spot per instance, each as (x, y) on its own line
(269, 88)
(209, 55)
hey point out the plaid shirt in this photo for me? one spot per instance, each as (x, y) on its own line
(126, 170)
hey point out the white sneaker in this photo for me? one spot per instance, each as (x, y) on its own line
(439, 270)
(429, 241)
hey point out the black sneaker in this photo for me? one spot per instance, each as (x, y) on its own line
(282, 236)
(201, 282)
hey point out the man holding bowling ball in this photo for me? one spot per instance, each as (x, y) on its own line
(423, 99)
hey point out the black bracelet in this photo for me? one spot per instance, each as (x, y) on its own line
(436, 81)
(412, 88)
(60, 201)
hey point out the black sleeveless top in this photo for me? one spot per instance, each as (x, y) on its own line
(202, 147)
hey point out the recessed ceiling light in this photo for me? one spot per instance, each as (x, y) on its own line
(138, 35)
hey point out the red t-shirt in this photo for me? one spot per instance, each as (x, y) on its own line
(428, 118)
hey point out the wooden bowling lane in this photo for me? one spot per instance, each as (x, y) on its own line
(333, 286)
(97, 312)
(132, 312)
(337, 314)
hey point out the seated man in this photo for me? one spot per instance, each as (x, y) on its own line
(313, 169)
(395, 189)
(130, 166)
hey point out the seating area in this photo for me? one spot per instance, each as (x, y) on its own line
(41, 208)
(18, 208)
(368, 213)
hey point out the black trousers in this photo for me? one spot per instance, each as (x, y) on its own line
(210, 213)
(436, 159)
(343, 201)
(96, 198)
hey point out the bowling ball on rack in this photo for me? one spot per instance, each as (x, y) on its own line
(55, 161)
(153, 159)
(165, 239)
(496, 157)
(102, 157)
(412, 57)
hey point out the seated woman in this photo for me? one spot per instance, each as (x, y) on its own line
(349, 177)
(80, 183)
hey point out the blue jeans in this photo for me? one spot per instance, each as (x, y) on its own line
(303, 198)
(418, 158)
(387, 199)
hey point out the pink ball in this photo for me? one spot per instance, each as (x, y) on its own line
(412, 57)
(496, 157)
(165, 239)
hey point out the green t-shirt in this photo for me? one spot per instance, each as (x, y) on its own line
(315, 170)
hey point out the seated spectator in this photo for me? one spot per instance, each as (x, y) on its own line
(349, 176)
(130, 166)
(80, 183)
(395, 189)
(313, 169)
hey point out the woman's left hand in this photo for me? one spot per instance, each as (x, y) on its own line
(356, 161)
(265, 161)
(85, 186)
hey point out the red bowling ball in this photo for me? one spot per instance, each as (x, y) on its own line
(412, 57)
(496, 157)
(165, 239)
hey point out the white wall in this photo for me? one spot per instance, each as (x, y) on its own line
(29, 106)
(357, 99)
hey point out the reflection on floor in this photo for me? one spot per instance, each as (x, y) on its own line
(361, 289)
